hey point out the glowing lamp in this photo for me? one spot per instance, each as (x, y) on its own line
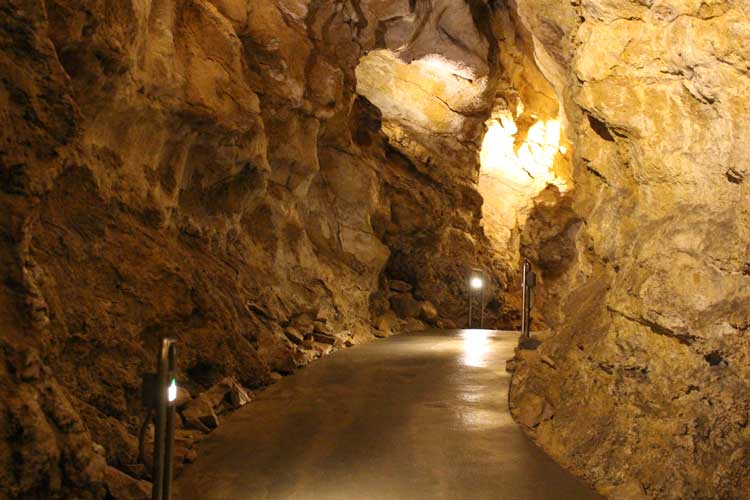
(476, 283)
(172, 391)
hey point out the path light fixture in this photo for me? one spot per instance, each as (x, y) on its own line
(476, 292)
(172, 391)
(159, 398)
(476, 283)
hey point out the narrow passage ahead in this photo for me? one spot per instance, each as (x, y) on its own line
(422, 416)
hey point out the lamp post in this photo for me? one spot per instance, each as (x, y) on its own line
(160, 396)
(528, 284)
(476, 287)
(165, 413)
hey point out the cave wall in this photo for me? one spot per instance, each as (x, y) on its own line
(210, 171)
(641, 387)
(205, 170)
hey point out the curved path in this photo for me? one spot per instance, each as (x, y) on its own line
(421, 416)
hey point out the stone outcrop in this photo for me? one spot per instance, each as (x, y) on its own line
(644, 267)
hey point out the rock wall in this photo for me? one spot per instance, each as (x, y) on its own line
(268, 181)
(642, 386)
(205, 170)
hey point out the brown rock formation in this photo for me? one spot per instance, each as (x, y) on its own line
(205, 170)
(270, 181)
(644, 267)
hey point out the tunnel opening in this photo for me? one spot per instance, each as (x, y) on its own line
(496, 129)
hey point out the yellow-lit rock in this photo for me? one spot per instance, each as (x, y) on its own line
(649, 305)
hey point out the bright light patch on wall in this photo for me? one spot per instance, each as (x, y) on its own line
(442, 66)
(515, 168)
(537, 154)
(531, 163)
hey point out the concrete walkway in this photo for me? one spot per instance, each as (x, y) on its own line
(415, 417)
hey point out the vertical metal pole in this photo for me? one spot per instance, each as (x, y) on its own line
(164, 432)
(481, 300)
(169, 445)
(525, 300)
(157, 467)
(471, 295)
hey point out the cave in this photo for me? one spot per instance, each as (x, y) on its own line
(336, 210)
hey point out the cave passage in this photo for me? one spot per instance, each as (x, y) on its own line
(420, 416)
(273, 182)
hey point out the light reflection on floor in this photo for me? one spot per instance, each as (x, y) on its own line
(422, 416)
(476, 347)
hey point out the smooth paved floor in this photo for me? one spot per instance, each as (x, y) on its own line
(413, 417)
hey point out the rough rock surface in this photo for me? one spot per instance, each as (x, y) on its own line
(123, 487)
(644, 267)
(252, 178)
(205, 170)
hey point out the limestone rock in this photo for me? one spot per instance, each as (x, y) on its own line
(184, 451)
(183, 397)
(446, 323)
(533, 410)
(323, 328)
(123, 487)
(58, 457)
(385, 324)
(399, 286)
(199, 414)
(304, 356)
(293, 334)
(304, 324)
(405, 305)
(427, 311)
(137, 471)
(642, 266)
(631, 490)
(412, 325)
(322, 348)
(324, 338)
(217, 178)
(226, 395)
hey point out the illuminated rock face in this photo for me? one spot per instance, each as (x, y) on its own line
(512, 176)
(429, 94)
(644, 265)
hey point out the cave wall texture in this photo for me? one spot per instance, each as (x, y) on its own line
(240, 174)
(205, 170)
(643, 386)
